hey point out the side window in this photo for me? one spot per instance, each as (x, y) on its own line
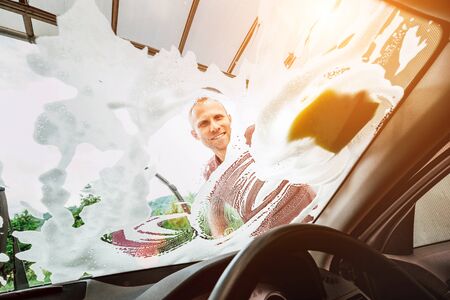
(432, 215)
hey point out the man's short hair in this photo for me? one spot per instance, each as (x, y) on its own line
(203, 100)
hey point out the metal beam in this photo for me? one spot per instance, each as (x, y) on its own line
(244, 44)
(28, 24)
(13, 34)
(114, 15)
(152, 51)
(203, 68)
(289, 60)
(187, 26)
(30, 11)
(50, 18)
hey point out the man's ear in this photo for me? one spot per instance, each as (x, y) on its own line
(194, 134)
(229, 117)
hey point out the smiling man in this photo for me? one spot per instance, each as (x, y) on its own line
(237, 193)
(211, 124)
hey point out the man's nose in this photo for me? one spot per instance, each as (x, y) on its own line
(214, 126)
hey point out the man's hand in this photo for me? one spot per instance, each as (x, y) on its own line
(249, 134)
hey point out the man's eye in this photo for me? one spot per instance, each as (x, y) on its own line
(218, 117)
(202, 124)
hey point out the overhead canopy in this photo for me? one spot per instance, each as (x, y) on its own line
(154, 24)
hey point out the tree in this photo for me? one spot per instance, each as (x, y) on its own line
(76, 210)
(24, 221)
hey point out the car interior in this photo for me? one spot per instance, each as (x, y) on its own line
(384, 234)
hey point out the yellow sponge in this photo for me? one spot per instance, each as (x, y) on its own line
(333, 119)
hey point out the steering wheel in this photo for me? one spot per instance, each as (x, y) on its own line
(283, 251)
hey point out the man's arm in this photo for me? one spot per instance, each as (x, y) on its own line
(249, 134)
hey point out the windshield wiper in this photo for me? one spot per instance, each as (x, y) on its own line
(174, 190)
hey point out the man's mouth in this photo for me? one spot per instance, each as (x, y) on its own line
(218, 136)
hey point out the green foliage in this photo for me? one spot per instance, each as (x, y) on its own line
(20, 222)
(169, 205)
(182, 237)
(107, 238)
(24, 221)
(76, 210)
(31, 277)
(166, 205)
(232, 218)
(190, 198)
(204, 225)
(162, 205)
(177, 223)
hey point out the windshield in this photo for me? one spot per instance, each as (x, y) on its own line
(114, 158)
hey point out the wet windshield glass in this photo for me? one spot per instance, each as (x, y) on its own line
(115, 160)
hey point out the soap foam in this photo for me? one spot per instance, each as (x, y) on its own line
(110, 74)
(411, 47)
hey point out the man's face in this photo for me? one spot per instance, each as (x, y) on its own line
(211, 124)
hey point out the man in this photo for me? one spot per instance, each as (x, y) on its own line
(238, 188)
(211, 124)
